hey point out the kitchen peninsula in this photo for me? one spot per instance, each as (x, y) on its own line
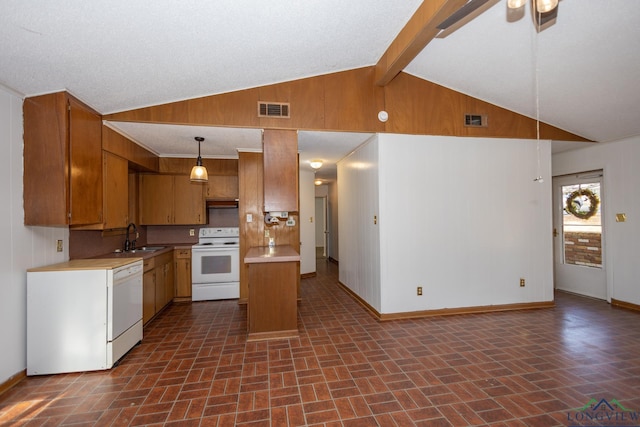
(273, 301)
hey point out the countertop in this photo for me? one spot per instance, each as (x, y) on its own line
(144, 254)
(262, 254)
(88, 264)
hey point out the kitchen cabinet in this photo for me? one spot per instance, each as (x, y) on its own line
(222, 187)
(170, 200)
(280, 169)
(182, 258)
(116, 191)
(115, 197)
(272, 310)
(62, 161)
(164, 279)
(148, 290)
(157, 284)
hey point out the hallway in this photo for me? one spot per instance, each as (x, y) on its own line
(195, 368)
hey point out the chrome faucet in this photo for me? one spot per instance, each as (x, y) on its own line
(130, 245)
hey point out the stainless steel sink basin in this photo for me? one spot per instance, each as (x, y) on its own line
(147, 249)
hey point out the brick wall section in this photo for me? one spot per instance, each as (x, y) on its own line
(583, 248)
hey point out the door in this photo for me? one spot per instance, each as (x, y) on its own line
(579, 234)
(321, 226)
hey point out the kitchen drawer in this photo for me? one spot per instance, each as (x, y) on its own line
(149, 264)
(182, 253)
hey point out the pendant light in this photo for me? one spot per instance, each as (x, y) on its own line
(199, 172)
(541, 6)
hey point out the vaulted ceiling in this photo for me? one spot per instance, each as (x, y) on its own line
(579, 74)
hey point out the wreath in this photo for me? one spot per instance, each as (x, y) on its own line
(576, 205)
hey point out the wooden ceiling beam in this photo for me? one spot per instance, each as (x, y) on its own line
(418, 32)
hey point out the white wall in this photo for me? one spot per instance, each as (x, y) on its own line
(23, 247)
(461, 217)
(620, 162)
(307, 228)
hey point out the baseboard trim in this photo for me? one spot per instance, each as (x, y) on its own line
(12, 381)
(624, 304)
(383, 317)
(308, 275)
(333, 260)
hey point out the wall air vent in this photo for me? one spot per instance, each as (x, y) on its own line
(476, 120)
(273, 109)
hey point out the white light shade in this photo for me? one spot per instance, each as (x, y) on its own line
(544, 6)
(317, 182)
(515, 4)
(199, 174)
(316, 164)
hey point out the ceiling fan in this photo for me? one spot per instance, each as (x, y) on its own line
(543, 12)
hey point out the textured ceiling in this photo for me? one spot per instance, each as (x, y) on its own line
(121, 54)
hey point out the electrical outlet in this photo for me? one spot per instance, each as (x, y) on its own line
(419, 290)
(59, 246)
(521, 282)
(249, 218)
(192, 232)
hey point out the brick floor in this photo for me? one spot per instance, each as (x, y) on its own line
(195, 368)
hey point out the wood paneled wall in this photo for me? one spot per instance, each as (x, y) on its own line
(175, 165)
(119, 145)
(250, 176)
(350, 101)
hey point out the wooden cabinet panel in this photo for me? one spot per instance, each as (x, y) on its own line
(62, 161)
(171, 199)
(157, 284)
(148, 295)
(280, 163)
(164, 280)
(156, 199)
(182, 274)
(222, 187)
(188, 201)
(116, 191)
(272, 309)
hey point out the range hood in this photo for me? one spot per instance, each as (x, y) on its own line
(222, 204)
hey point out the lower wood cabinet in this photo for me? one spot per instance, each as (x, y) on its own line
(157, 284)
(148, 290)
(272, 310)
(182, 261)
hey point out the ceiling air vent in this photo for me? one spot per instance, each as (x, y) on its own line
(476, 120)
(273, 109)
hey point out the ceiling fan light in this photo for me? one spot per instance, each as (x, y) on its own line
(544, 6)
(516, 4)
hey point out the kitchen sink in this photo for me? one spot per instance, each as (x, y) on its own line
(148, 249)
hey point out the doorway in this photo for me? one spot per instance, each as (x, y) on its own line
(578, 231)
(321, 227)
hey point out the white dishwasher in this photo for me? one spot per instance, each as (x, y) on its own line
(83, 315)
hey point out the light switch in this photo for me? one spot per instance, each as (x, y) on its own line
(249, 218)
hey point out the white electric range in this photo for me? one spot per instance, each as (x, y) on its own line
(215, 266)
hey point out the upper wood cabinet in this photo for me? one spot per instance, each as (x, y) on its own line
(280, 163)
(116, 191)
(156, 199)
(171, 199)
(222, 187)
(62, 161)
